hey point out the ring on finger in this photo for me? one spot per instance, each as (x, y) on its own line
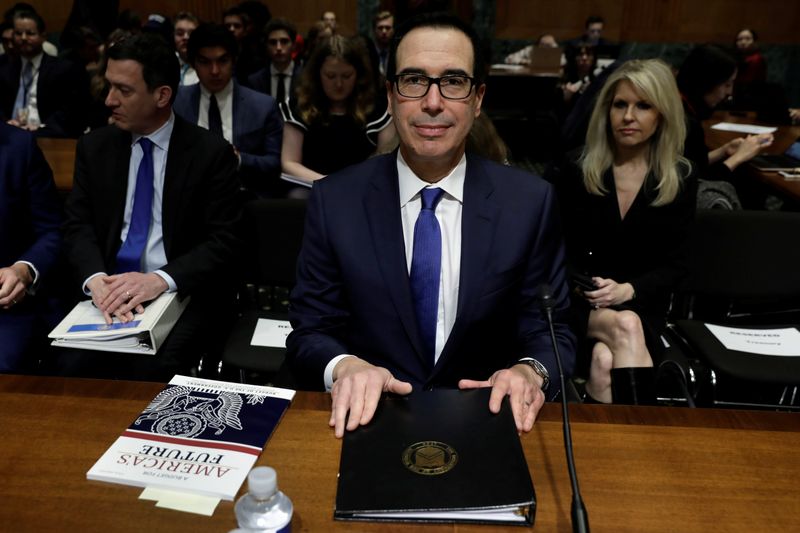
(128, 295)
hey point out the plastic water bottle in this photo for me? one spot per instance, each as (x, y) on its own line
(264, 508)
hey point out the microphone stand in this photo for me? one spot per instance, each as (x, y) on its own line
(580, 518)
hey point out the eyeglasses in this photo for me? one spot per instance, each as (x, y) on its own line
(452, 87)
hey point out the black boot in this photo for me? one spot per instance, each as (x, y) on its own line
(633, 386)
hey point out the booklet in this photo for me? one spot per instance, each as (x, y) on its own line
(197, 435)
(436, 456)
(84, 327)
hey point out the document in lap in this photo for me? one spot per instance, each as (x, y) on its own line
(84, 327)
(436, 456)
(197, 436)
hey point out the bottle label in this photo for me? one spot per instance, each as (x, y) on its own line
(285, 529)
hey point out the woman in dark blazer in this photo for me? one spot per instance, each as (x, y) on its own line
(627, 208)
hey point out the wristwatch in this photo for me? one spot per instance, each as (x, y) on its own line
(540, 370)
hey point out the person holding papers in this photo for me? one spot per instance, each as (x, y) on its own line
(152, 210)
(335, 120)
(422, 268)
(628, 207)
(29, 242)
(705, 80)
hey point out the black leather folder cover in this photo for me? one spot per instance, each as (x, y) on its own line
(436, 456)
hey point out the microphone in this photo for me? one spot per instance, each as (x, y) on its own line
(580, 518)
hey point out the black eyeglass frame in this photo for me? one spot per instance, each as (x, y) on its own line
(432, 82)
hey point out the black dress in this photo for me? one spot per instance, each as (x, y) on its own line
(645, 249)
(339, 141)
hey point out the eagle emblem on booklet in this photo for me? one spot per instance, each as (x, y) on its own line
(196, 435)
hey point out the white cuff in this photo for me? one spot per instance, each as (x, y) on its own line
(328, 375)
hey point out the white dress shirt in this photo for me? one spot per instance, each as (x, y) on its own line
(225, 104)
(448, 213)
(287, 81)
(154, 255)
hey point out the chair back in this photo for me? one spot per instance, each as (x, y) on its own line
(274, 235)
(745, 256)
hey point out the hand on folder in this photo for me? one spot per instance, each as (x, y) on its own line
(122, 295)
(523, 386)
(357, 388)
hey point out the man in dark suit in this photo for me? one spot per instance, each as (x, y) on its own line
(152, 210)
(249, 120)
(281, 75)
(421, 268)
(39, 92)
(30, 216)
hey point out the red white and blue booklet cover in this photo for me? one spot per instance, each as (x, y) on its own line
(197, 436)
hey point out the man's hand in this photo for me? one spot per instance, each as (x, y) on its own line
(522, 384)
(121, 295)
(357, 388)
(14, 281)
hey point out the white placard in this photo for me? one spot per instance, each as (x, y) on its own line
(783, 342)
(271, 333)
(743, 128)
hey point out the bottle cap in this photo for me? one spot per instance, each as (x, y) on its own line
(262, 482)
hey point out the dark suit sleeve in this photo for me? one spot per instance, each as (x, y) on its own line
(43, 210)
(266, 156)
(83, 250)
(546, 266)
(201, 215)
(318, 310)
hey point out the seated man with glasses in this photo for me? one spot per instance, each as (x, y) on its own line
(421, 268)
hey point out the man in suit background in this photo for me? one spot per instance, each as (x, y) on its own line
(30, 216)
(38, 92)
(421, 268)
(185, 24)
(282, 73)
(152, 210)
(249, 120)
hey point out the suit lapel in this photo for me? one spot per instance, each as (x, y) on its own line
(174, 180)
(382, 206)
(194, 105)
(238, 106)
(117, 170)
(478, 218)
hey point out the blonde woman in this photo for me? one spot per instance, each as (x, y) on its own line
(627, 208)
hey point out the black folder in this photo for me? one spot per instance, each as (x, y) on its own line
(436, 456)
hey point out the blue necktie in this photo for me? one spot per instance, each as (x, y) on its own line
(21, 101)
(129, 257)
(426, 268)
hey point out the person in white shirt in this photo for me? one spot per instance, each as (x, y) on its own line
(421, 269)
(185, 24)
(280, 76)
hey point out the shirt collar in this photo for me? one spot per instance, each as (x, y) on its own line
(411, 184)
(35, 60)
(288, 71)
(221, 95)
(161, 136)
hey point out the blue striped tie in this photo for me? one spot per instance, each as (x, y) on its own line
(129, 257)
(426, 268)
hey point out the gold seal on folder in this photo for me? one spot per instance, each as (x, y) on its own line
(430, 458)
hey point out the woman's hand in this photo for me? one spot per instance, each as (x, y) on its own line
(746, 149)
(608, 293)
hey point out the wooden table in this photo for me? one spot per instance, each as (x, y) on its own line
(784, 137)
(641, 468)
(60, 154)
